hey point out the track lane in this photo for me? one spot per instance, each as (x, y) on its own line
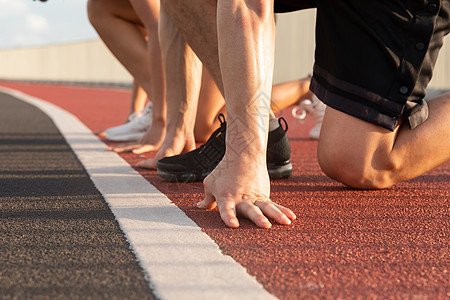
(345, 244)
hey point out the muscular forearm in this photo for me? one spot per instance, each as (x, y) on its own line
(247, 69)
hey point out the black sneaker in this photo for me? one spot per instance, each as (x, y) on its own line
(195, 165)
(279, 152)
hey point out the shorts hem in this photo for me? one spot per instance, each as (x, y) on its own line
(352, 107)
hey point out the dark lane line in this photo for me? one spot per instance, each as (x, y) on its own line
(58, 238)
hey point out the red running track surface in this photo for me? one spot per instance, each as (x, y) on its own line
(346, 243)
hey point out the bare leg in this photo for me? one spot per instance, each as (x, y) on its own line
(211, 102)
(107, 17)
(210, 105)
(289, 93)
(138, 98)
(121, 30)
(234, 186)
(365, 156)
(148, 12)
(284, 95)
(196, 20)
(183, 71)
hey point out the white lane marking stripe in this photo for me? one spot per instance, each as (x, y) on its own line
(180, 260)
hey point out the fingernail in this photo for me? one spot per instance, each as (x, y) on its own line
(199, 204)
(286, 220)
(234, 222)
(266, 224)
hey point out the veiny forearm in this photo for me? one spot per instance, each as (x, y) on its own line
(247, 68)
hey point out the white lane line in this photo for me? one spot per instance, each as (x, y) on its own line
(180, 260)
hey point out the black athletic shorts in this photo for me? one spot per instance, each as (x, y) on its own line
(374, 58)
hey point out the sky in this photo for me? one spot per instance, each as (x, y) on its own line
(26, 23)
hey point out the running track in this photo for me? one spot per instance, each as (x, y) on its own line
(345, 244)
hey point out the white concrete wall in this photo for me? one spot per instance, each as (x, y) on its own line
(294, 51)
(91, 61)
(88, 61)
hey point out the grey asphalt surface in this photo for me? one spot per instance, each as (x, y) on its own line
(58, 238)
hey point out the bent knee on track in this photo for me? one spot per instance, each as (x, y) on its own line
(357, 170)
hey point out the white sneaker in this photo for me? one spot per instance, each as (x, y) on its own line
(316, 109)
(133, 130)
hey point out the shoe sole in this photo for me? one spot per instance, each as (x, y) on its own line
(124, 138)
(275, 172)
(181, 177)
(280, 172)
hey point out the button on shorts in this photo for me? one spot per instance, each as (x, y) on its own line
(374, 59)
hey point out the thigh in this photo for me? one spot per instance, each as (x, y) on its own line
(148, 12)
(344, 133)
(352, 151)
(116, 8)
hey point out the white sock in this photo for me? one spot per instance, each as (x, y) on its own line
(273, 124)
